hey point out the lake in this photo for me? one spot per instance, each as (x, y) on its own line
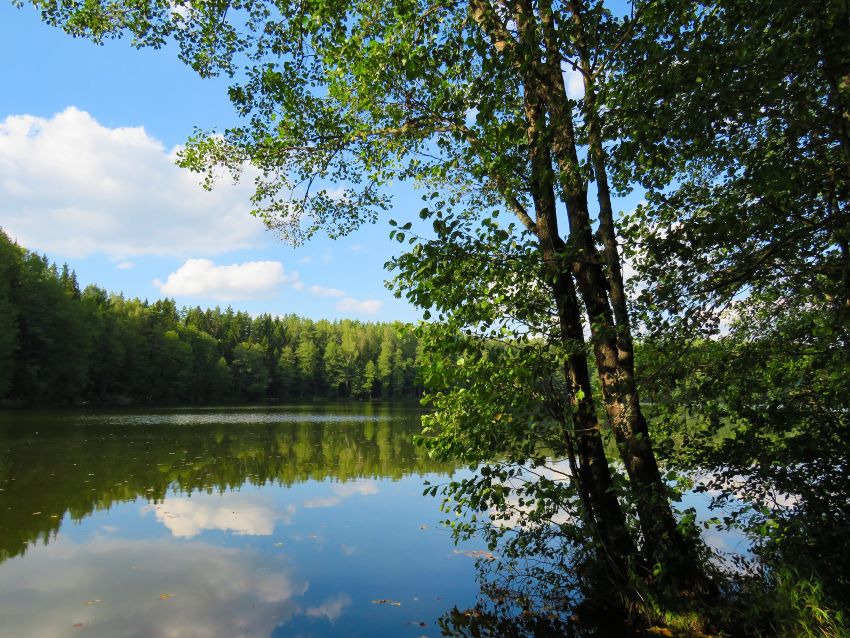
(304, 521)
(291, 521)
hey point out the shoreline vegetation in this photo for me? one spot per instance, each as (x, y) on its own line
(62, 346)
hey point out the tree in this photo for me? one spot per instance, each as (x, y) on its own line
(250, 373)
(467, 98)
(333, 366)
(370, 376)
(9, 258)
(176, 366)
(742, 112)
(308, 364)
(287, 370)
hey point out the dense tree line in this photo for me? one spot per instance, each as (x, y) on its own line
(63, 345)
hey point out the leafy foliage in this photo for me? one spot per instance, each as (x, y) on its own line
(742, 255)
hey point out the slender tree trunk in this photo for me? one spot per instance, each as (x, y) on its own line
(611, 339)
(595, 474)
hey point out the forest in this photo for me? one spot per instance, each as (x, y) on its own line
(60, 345)
(589, 365)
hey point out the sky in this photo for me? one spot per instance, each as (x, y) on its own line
(87, 176)
(87, 141)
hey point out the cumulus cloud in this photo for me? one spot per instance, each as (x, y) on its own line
(342, 491)
(188, 517)
(203, 278)
(72, 187)
(367, 306)
(321, 291)
(362, 487)
(331, 609)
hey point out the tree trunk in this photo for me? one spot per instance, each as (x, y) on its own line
(595, 475)
(611, 340)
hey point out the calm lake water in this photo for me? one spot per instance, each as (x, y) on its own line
(272, 522)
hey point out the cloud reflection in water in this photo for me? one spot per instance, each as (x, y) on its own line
(148, 589)
(188, 517)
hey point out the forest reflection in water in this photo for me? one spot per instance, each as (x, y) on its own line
(305, 520)
(254, 522)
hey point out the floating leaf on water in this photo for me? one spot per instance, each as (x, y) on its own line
(165, 596)
(78, 625)
(92, 602)
(36, 513)
(476, 553)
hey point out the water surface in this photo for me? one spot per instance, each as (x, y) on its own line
(270, 522)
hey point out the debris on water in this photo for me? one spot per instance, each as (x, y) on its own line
(165, 596)
(386, 601)
(476, 553)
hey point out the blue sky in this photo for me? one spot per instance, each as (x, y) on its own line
(87, 177)
(87, 135)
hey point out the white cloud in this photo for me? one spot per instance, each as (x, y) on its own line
(321, 291)
(331, 609)
(367, 306)
(342, 491)
(188, 517)
(201, 277)
(326, 501)
(212, 591)
(364, 487)
(72, 187)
